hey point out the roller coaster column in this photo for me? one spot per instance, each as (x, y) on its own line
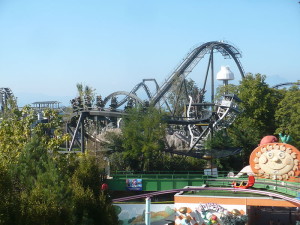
(80, 123)
(192, 59)
(186, 134)
(212, 75)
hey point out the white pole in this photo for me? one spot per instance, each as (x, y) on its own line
(147, 211)
(189, 107)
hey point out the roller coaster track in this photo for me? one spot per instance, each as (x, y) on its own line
(224, 115)
(192, 59)
(217, 120)
(286, 84)
(127, 94)
(200, 130)
(132, 93)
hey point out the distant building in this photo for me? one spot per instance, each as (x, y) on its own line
(46, 105)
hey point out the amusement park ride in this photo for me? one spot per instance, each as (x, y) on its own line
(186, 132)
(188, 129)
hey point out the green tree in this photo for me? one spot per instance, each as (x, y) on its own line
(288, 115)
(90, 204)
(257, 118)
(230, 89)
(143, 137)
(15, 132)
(10, 203)
(17, 129)
(259, 102)
(58, 189)
(86, 94)
(40, 186)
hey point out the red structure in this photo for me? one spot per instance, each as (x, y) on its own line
(104, 187)
(243, 184)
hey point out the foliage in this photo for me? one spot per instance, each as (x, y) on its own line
(118, 163)
(46, 202)
(17, 130)
(230, 163)
(91, 206)
(263, 109)
(220, 140)
(165, 162)
(258, 106)
(40, 186)
(143, 137)
(9, 198)
(113, 140)
(140, 145)
(288, 115)
(51, 133)
(9, 107)
(168, 162)
(230, 88)
(259, 102)
(86, 94)
(43, 192)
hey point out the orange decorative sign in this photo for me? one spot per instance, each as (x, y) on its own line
(277, 161)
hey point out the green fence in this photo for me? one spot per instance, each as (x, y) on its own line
(160, 180)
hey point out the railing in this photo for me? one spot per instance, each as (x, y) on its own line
(165, 180)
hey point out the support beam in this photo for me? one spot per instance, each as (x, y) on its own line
(82, 136)
(212, 75)
(147, 211)
(206, 75)
(70, 131)
(79, 123)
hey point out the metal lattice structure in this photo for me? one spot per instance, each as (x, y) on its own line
(6, 94)
(193, 126)
(192, 59)
(132, 94)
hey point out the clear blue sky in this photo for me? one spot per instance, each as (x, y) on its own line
(47, 46)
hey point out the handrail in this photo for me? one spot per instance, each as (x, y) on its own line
(284, 187)
(271, 194)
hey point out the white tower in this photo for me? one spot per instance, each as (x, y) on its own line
(225, 74)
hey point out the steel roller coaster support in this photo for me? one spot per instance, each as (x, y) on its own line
(194, 126)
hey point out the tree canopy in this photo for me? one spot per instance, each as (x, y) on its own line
(257, 117)
(39, 185)
(288, 115)
(143, 137)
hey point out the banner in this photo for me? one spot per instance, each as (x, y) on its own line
(134, 184)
